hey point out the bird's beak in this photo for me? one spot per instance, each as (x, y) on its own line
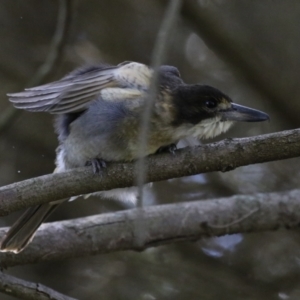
(243, 114)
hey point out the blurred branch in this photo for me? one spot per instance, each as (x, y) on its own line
(158, 57)
(222, 156)
(239, 53)
(163, 224)
(22, 289)
(65, 13)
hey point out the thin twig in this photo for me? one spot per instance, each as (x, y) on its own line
(53, 59)
(64, 21)
(241, 219)
(24, 290)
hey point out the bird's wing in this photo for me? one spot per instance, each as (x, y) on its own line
(74, 92)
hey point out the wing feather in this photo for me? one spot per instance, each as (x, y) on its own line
(75, 91)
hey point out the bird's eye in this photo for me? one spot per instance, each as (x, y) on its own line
(211, 103)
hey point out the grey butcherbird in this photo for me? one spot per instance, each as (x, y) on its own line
(99, 111)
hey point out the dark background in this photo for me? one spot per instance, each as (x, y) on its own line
(267, 35)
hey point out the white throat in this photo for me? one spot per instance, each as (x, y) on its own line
(206, 129)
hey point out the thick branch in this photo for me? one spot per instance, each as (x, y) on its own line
(26, 290)
(161, 224)
(221, 156)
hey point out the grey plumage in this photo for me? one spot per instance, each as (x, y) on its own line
(74, 92)
(99, 111)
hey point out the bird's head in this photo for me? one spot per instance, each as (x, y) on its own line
(207, 112)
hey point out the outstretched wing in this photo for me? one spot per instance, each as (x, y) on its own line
(74, 92)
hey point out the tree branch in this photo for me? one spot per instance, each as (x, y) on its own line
(26, 290)
(221, 156)
(163, 224)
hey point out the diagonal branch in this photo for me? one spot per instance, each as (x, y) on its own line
(16, 287)
(222, 156)
(163, 224)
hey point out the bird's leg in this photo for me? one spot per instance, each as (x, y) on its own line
(169, 148)
(97, 164)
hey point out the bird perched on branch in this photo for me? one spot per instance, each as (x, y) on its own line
(99, 110)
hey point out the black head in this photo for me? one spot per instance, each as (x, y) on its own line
(196, 103)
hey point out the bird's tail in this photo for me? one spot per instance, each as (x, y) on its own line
(24, 229)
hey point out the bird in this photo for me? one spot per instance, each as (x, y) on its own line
(98, 112)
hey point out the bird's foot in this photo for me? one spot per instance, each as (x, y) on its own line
(97, 164)
(169, 148)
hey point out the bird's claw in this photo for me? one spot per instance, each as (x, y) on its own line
(97, 164)
(170, 148)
